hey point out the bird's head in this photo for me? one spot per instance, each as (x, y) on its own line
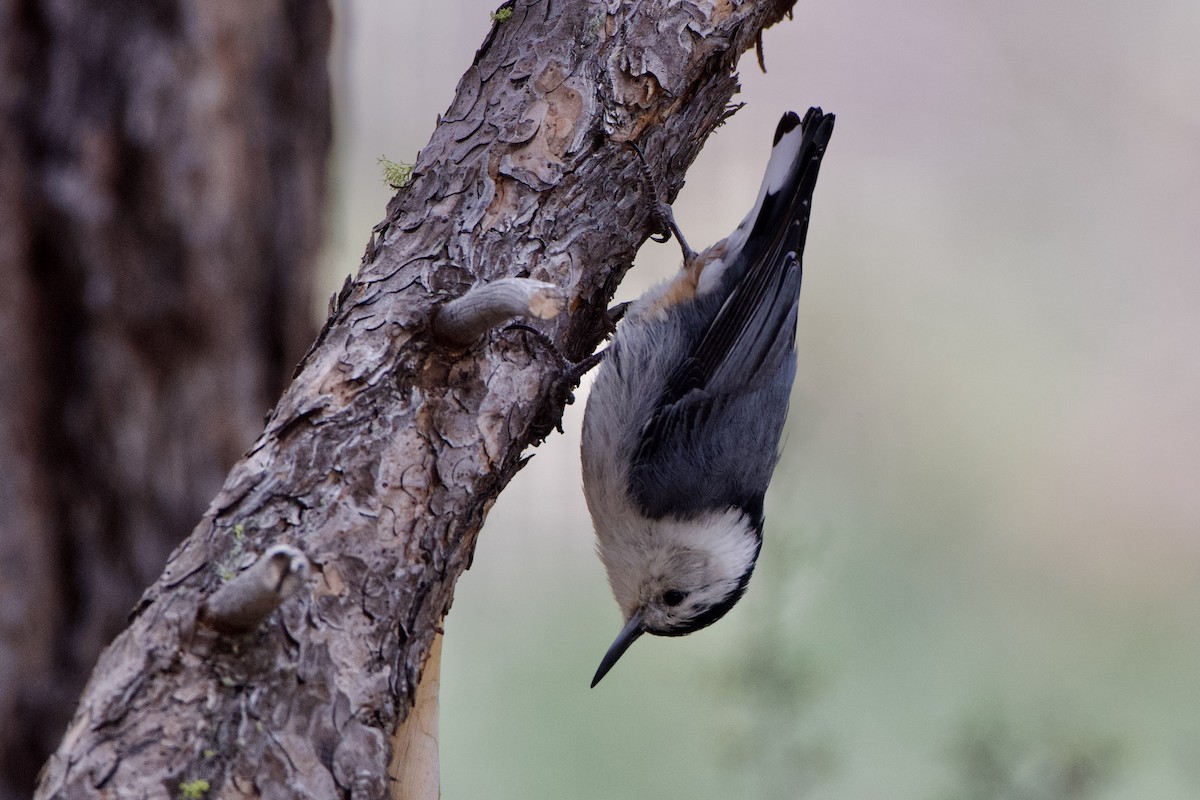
(678, 576)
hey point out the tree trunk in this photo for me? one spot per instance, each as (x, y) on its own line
(161, 196)
(382, 458)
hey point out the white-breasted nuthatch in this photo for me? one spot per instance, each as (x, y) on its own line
(682, 427)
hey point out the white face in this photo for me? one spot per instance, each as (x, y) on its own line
(679, 585)
(676, 571)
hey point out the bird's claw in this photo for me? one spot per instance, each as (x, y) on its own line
(562, 390)
(661, 211)
(614, 315)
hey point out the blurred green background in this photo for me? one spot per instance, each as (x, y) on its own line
(980, 571)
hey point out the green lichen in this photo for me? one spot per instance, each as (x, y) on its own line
(194, 790)
(396, 174)
(502, 14)
(592, 28)
(227, 569)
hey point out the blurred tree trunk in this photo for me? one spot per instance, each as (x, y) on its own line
(161, 193)
(382, 458)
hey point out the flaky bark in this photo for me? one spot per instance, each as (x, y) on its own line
(383, 457)
(162, 174)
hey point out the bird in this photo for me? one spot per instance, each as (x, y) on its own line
(683, 421)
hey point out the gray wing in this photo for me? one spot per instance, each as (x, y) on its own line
(713, 436)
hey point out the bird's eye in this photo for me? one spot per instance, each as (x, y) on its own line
(673, 597)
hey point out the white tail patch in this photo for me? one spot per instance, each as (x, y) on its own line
(783, 156)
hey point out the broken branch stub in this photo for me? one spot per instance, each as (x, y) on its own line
(487, 305)
(249, 597)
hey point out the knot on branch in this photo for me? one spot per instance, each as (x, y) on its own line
(248, 598)
(487, 305)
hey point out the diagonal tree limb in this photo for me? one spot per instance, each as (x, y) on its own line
(382, 459)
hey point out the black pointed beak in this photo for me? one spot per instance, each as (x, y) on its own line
(628, 635)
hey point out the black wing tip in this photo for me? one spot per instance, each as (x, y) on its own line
(824, 125)
(816, 122)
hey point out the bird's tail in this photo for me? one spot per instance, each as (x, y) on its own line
(757, 318)
(779, 219)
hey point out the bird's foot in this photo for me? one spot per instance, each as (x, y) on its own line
(562, 391)
(661, 211)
